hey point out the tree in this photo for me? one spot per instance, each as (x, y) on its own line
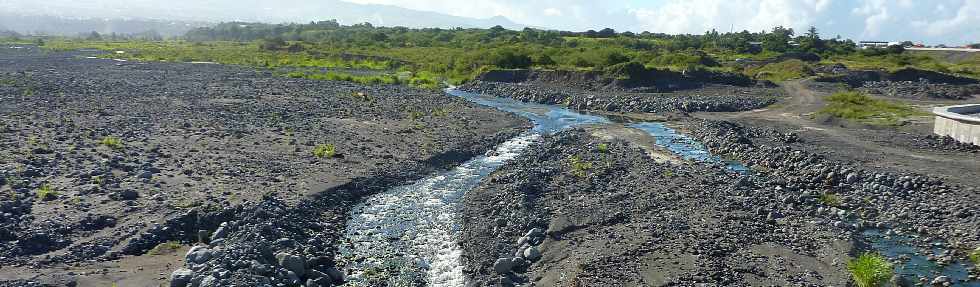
(508, 58)
(607, 33)
(778, 40)
(812, 33)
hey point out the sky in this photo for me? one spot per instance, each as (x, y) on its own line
(952, 22)
(927, 21)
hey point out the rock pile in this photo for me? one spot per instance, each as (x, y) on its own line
(921, 89)
(708, 99)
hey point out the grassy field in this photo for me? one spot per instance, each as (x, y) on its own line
(859, 107)
(781, 71)
(967, 64)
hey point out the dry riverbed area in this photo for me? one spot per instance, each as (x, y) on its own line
(123, 173)
(105, 161)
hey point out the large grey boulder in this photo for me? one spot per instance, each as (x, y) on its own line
(532, 253)
(181, 277)
(292, 263)
(503, 265)
(198, 255)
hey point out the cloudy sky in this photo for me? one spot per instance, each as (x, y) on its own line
(953, 22)
(929, 21)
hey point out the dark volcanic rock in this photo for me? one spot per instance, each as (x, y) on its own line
(620, 218)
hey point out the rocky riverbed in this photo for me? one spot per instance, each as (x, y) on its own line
(578, 210)
(707, 98)
(104, 160)
(582, 210)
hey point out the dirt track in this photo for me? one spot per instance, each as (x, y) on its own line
(872, 146)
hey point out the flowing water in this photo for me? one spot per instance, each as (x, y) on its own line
(407, 236)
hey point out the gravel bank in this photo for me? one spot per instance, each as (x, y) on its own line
(577, 211)
(707, 98)
(104, 159)
(933, 213)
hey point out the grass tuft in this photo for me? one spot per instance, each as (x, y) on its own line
(603, 148)
(324, 151)
(870, 270)
(46, 193)
(975, 256)
(580, 168)
(112, 142)
(862, 108)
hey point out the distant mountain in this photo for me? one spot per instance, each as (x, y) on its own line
(270, 11)
(60, 26)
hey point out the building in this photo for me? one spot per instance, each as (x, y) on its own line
(877, 44)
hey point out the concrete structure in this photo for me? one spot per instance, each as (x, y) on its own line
(877, 44)
(959, 122)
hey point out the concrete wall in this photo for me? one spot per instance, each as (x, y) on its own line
(955, 122)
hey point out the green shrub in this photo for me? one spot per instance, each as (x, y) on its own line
(975, 256)
(324, 151)
(862, 108)
(603, 148)
(870, 270)
(580, 168)
(112, 142)
(46, 193)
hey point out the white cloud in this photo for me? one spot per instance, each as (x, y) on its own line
(552, 12)
(965, 22)
(696, 16)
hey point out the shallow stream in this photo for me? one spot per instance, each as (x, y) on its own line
(407, 235)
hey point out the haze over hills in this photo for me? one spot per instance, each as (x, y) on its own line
(66, 17)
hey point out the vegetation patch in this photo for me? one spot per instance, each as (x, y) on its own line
(603, 148)
(781, 71)
(975, 256)
(46, 193)
(870, 270)
(324, 151)
(862, 108)
(169, 247)
(580, 168)
(112, 142)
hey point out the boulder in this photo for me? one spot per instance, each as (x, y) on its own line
(292, 263)
(198, 255)
(181, 277)
(503, 265)
(532, 253)
(124, 195)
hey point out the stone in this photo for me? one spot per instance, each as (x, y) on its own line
(292, 263)
(852, 178)
(220, 233)
(532, 253)
(181, 277)
(899, 281)
(292, 277)
(535, 232)
(198, 255)
(209, 281)
(503, 265)
(940, 281)
(336, 275)
(124, 195)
